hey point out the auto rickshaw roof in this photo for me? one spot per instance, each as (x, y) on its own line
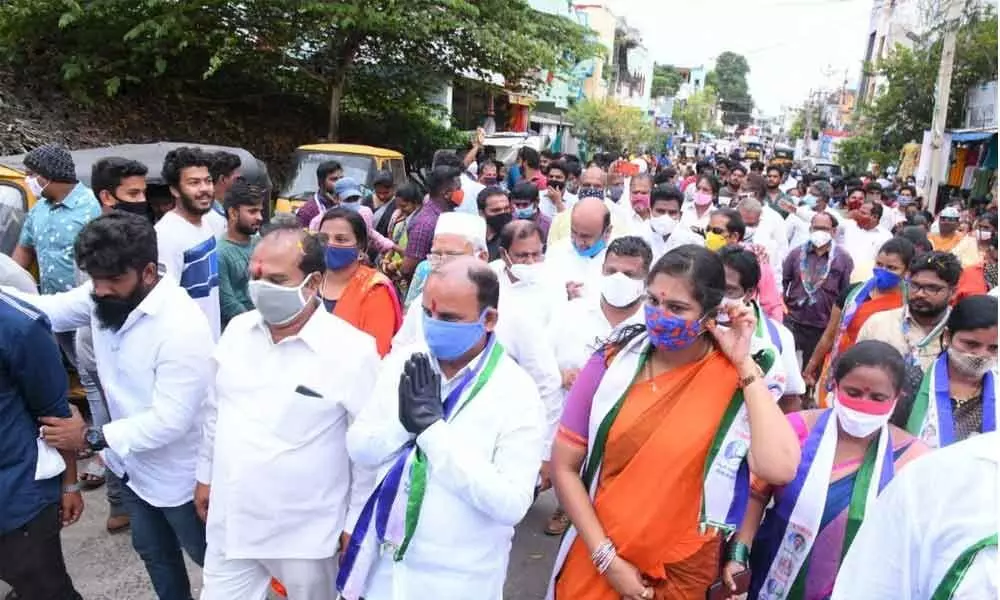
(152, 156)
(351, 149)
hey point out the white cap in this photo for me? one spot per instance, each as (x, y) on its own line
(469, 226)
(950, 212)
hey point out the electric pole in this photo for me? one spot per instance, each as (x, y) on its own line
(807, 134)
(942, 94)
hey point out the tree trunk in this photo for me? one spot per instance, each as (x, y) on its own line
(336, 94)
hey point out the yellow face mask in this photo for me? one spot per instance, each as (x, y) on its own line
(715, 241)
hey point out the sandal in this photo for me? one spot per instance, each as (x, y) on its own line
(558, 523)
(90, 480)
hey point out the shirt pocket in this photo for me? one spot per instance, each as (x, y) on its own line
(298, 416)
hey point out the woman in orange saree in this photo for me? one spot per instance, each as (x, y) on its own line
(883, 291)
(353, 291)
(662, 476)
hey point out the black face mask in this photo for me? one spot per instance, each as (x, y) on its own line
(112, 311)
(136, 208)
(497, 222)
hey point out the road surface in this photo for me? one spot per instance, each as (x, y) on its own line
(105, 567)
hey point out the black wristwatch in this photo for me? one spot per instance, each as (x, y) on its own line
(95, 439)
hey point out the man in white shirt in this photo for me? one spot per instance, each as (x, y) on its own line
(863, 237)
(455, 429)
(185, 238)
(664, 234)
(521, 328)
(933, 531)
(799, 219)
(153, 350)
(765, 228)
(585, 324)
(273, 422)
(743, 276)
(636, 208)
(521, 268)
(575, 264)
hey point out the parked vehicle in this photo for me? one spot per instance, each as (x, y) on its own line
(782, 156)
(360, 163)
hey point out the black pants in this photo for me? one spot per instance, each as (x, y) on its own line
(806, 338)
(31, 559)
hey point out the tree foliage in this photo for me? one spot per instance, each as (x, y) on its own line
(609, 126)
(666, 81)
(904, 106)
(327, 51)
(695, 113)
(730, 81)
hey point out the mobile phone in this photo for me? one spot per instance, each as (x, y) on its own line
(720, 591)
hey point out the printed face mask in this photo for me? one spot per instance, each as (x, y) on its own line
(975, 365)
(671, 332)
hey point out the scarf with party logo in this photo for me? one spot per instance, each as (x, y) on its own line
(931, 417)
(794, 521)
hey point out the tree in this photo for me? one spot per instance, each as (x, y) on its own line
(609, 126)
(666, 81)
(905, 105)
(695, 113)
(315, 48)
(730, 81)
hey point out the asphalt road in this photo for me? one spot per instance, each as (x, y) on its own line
(105, 567)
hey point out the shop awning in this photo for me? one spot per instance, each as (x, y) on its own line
(971, 135)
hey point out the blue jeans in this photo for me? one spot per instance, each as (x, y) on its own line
(158, 535)
(99, 415)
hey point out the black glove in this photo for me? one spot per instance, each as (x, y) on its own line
(419, 395)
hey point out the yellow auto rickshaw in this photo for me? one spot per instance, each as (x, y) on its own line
(753, 151)
(359, 162)
(782, 157)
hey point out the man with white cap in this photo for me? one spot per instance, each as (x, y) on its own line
(949, 238)
(519, 327)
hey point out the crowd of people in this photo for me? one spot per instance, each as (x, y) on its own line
(730, 377)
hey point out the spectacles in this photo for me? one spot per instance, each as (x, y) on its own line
(718, 230)
(437, 258)
(929, 289)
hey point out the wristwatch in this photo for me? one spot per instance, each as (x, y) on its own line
(95, 439)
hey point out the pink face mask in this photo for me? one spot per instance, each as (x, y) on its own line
(639, 201)
(702, 199)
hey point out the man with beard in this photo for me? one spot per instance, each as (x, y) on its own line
(153, 348)
(774, 195)
(244, 214)
(185, 238)
(915, 329)
(327, 175)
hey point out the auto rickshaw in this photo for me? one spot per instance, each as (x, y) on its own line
(782, 157)
(359, 162)
(753, 151)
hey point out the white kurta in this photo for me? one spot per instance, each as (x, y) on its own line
(274, 447)
(482, 468)
(928, 515)
(565, 264)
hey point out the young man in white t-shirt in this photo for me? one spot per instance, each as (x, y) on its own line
(185, 238)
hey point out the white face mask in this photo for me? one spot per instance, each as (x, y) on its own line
(527, 274)
(663, 225)
(856, 423)
(984, 235)
(35, 186)
(725, 201)
(820, 238)
(620, 290)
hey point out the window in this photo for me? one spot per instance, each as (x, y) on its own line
(13, 207)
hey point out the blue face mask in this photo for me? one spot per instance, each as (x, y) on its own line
(616, 192)
(525, 213)
(590, 192)
(885, 279)
(593, 250)
(354, 206)
(338, 257)
(809, 200)
(448, 340)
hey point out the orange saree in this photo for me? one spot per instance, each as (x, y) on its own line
(650, 488)
(369, 303)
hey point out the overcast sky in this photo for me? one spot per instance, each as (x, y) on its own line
(788, 43)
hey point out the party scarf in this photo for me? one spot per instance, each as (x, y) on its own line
(931, 417)
(795, 519)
